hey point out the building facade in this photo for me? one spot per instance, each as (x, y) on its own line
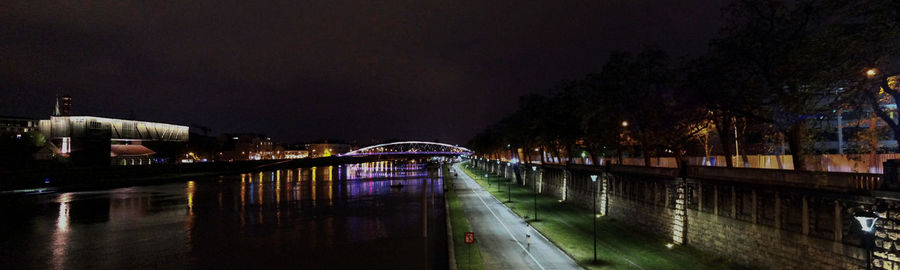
(246, 146)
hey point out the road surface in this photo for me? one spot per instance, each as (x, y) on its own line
(500, 233)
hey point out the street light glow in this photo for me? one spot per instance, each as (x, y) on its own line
(872, 72)
(624, 123)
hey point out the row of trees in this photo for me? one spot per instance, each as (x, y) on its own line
(776, 67)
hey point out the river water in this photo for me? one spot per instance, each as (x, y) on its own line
(335, 217)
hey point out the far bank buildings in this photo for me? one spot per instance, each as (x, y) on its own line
(92, 140)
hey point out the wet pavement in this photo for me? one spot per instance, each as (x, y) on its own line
(338, 217)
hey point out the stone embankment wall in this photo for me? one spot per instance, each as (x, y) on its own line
(756, 225)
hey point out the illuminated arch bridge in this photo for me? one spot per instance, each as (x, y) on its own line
(410, 148)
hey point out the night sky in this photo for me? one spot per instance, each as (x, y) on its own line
(297, 70)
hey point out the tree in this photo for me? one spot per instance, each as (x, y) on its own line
(795, 55)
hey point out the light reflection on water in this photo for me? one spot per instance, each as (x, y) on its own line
(243, 221)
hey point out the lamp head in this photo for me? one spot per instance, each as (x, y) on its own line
(871, 72)
(593, 178)
(866, 220)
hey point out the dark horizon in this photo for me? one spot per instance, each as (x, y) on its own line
(300, 72)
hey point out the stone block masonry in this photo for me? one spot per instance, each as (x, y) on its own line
(757, 224)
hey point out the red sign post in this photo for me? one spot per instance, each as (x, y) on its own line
(470, 239)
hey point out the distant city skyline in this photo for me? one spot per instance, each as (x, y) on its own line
(305, 71)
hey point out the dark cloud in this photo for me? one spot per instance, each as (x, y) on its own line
(306, 70)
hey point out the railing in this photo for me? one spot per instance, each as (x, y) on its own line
(832, 181)
(655, 171)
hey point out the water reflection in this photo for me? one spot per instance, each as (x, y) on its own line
(61, 235)
(251, 220)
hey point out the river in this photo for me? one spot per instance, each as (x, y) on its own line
(335, 217)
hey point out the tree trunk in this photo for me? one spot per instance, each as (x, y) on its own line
(895, 128)
(679, 158)
(543, 153)
(795, 134)
(646, 152)
(723, 124)
(619, 153)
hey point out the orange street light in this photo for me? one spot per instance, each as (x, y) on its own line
(624, 123)
(871, 72)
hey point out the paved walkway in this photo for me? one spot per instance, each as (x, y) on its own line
(501, 233)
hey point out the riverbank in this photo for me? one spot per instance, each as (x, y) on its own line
(570, 228)
(80, 178)
(468, 256)
(63, 178)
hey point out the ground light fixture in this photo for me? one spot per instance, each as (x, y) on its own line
(594, 180)
(867, 221)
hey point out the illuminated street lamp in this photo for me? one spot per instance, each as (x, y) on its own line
(508, 191)
(498, 174)
(624, 123)
(534, 188)
(594, 217)
(867, 223)
(871, 72)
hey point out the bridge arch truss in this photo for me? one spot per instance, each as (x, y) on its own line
(410, 148)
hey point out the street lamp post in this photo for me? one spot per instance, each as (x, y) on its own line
(867, 221)
(594, 217)
(534, 188)
(508, 182)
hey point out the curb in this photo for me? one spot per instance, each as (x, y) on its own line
(450, 246)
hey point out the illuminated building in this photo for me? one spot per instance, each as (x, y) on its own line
(325, 148)
(92, 140)
(17, 126)
(246, 146)
(295, 154)
(89, 140)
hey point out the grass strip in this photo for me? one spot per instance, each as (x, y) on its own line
(468, 256)
(619, 246)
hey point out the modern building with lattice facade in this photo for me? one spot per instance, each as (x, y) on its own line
(89, 139)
